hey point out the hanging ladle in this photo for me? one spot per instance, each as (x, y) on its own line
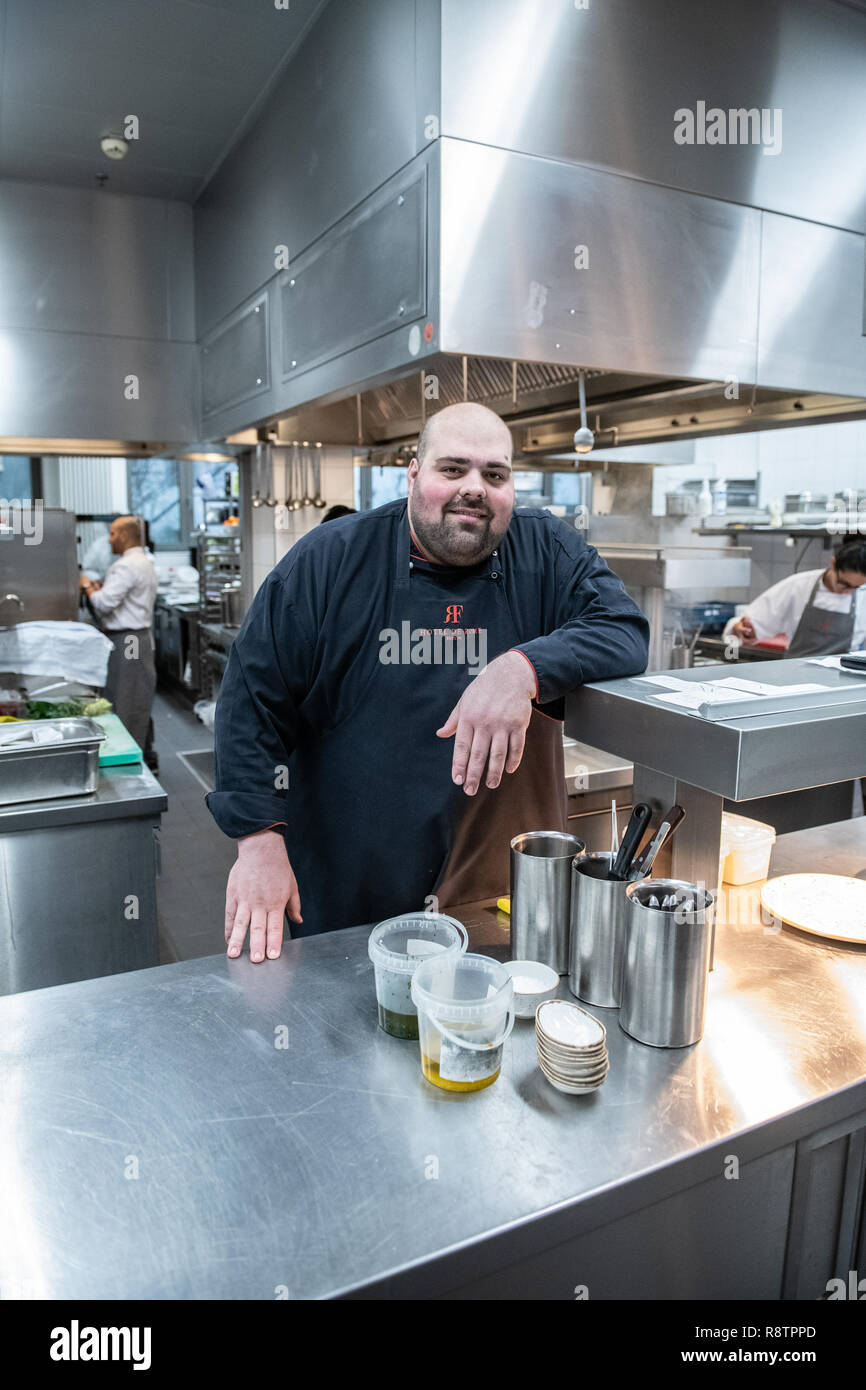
(270, 500)
(295, 504)
(257, 495)
(307, 500)
(289, 476)
(318, 500)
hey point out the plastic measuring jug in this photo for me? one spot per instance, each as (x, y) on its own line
(397, 947)
(465, 1012)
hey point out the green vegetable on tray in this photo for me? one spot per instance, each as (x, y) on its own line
(82, 705)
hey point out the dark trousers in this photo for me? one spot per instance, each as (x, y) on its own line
(131, 682)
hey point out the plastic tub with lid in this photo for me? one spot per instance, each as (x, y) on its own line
(745, 849)
(396, 948)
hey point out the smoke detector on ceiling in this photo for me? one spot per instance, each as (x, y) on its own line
(114, 147)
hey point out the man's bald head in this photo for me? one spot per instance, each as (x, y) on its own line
(124, 533)
(467, 417)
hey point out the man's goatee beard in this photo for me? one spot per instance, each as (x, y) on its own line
(448, 544)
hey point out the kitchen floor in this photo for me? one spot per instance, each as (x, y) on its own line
(196, 856)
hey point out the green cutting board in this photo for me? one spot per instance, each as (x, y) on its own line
(119, 746)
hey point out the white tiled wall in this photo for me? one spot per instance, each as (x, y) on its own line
(814, 458)
(270, 545)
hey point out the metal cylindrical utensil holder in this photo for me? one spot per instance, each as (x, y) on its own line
(541, 896)
(667, 962)
(599, 915)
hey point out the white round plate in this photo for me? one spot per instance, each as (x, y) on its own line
(823, 904)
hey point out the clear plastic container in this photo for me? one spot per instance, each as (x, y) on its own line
(465, 1012)
(745, 849)
(396, 948)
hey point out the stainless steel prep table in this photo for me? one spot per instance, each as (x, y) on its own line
(681, 757)
(79, 876)
(331, 1167)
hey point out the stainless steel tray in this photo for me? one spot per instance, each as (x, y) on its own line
(43, 772)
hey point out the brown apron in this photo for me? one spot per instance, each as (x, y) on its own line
(532, 798)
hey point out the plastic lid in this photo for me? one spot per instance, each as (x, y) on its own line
(739, 830)
(462, 989)
(401, 943)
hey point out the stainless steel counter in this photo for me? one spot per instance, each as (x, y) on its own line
(159, 1142)
(121, 791)
(79, 882)
(592, 770)
(743, 756)
(681, 757)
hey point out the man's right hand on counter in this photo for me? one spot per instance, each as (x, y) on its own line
(744, 629)
(261, 885)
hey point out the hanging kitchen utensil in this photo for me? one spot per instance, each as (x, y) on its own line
(295, 505)
(288, 477)
(268, 470)
(257, 478)
(318, 500)
(307, 500)
(270, 500)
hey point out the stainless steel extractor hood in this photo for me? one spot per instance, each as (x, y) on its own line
(697, 288)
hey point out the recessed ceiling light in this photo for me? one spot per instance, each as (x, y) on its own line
(114, 147)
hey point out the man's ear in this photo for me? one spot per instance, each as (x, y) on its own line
(414, 469)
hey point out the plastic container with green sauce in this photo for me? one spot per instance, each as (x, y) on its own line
(396, 948)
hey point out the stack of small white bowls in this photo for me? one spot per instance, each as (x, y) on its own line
(572, 1049)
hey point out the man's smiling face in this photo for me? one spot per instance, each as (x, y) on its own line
(461, 492)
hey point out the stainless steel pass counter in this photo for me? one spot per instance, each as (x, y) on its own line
(216, 1129)
(756, 749)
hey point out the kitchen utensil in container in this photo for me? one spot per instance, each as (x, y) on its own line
(397, 947)
(634, 832)
(667, 961)
(465, 1009)
(541, 895)
(645, 860)
(614, 831)
(599, 913)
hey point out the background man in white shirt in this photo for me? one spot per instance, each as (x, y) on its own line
(123, 605)
(821, 612)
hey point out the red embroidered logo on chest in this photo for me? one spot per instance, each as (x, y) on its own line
(454, 613)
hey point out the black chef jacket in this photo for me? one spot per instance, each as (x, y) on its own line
(348, 662)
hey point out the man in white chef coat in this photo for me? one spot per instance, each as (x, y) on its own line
(123, 606)
(821, 612)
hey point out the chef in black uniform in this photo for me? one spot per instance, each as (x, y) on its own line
(391, 668)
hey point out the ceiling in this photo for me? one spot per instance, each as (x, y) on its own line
(194, 72)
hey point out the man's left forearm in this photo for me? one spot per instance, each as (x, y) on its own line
(588, 650)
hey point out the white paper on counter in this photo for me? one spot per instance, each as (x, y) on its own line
(835, 663)
(698, 695)
(733, 690)
(667, 682)
(757, 689)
